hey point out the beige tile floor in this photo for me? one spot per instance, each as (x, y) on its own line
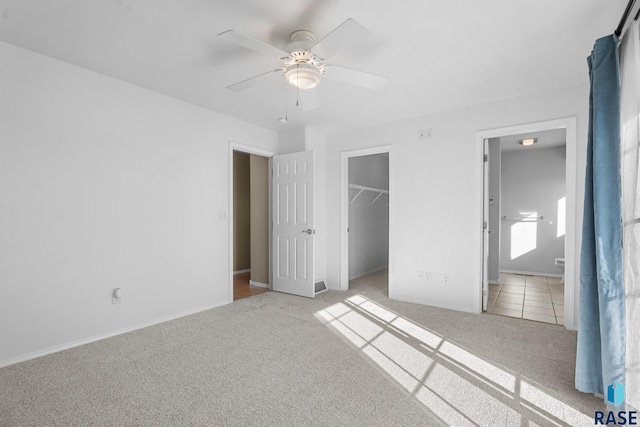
(536, 298)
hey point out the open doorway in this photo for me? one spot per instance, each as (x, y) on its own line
(249, 222)
(529, 194)
(527, 223)
(366, 209)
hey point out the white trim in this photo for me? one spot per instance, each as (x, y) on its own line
(250, 149)
(531, 273)
(369, 272)
(344, 210)
(246, 270)
(447, 306)
(258, 284)
(235, 146)
(78, 343)
(570, 124)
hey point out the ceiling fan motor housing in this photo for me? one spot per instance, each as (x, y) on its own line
(303, 68)
(303, 36)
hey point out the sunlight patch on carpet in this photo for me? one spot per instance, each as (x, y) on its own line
(453, 383)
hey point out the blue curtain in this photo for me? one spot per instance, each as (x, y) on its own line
(600, 358)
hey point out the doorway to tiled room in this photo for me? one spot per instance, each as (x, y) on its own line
(538, 298)
(527, 194)
(528, 228)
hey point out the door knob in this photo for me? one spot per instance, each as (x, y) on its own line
(309, 231)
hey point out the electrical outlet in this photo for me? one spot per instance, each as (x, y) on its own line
(222, 215)
(425, 133)
(420, 275)
(427, 277)
(445, 278)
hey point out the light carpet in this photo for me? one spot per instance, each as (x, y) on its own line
(350, 358)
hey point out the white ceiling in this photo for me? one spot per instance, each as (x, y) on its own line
(438, 55)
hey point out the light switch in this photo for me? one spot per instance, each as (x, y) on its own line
(116, 296)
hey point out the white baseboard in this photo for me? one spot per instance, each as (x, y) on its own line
(410, 299)
(368, 272)
(494, 282)
(78, 343)
(242, 271)
(258, 284)
(531, 273)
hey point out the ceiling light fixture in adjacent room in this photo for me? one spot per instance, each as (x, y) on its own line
(527, 141)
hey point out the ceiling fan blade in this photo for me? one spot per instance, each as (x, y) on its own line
(250, 82)
(309, 99)
(253, 44)
(341, 38)
(355, 77)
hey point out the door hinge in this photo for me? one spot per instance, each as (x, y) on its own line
(485, 158)
(484, 225)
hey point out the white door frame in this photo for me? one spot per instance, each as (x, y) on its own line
(344, 210)
(235, 146)
(571, 286)
(485, 225)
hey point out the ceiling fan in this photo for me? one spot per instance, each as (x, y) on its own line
(303, 61)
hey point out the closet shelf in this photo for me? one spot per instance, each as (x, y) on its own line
(362, 188)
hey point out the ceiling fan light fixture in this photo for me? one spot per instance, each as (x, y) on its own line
(303, 76)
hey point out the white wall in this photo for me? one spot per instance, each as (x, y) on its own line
(368, 224)
(291, 140)
(104, 184)
(532, 181)
(435, 225)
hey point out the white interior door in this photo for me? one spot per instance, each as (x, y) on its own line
(485, 226)
(293, 230)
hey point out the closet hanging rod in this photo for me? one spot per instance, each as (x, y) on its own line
(523, 218)
(362, 188)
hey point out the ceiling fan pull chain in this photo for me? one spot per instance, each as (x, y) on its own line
(286, 101)
(297, 87)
